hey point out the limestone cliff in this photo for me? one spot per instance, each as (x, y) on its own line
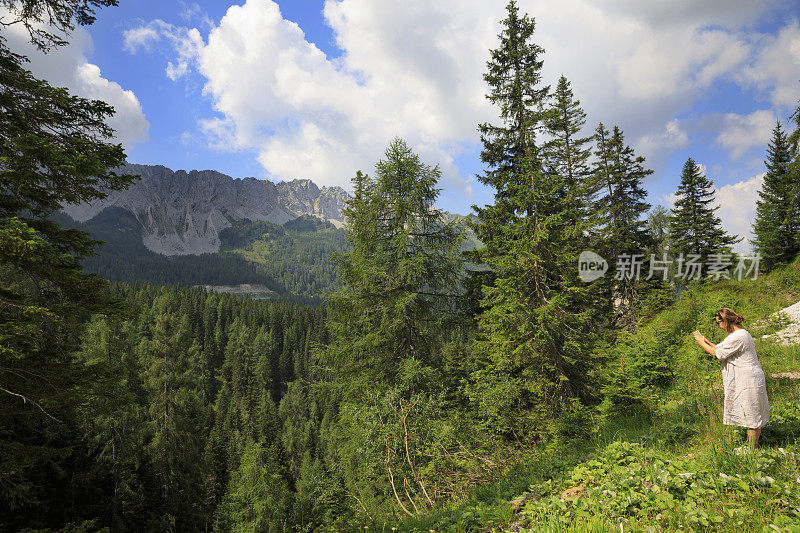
(183, 212)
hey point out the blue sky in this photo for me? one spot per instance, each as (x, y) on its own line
(316, 89)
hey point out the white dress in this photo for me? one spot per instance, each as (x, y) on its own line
(746, 402)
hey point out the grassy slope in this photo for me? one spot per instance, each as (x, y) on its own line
(672, 466)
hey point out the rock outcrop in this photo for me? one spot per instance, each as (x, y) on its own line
(790, 334)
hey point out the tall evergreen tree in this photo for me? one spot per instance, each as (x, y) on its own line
(617, 183)
(399, 291)
(399, 277)
(257, 498)
(172, 379)
(622, 237)
(514, 79)
(776, 228)
(533, 332)
(569, 153)
(55, 149)
(693, 227)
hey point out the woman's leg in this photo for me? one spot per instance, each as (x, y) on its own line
(752, 438)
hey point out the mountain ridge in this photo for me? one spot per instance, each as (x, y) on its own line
(182, 213)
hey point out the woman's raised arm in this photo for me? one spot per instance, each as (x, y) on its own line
(705, 343)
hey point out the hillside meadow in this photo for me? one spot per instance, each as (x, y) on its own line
(664, 462)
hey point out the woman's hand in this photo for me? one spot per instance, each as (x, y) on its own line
(704, 343)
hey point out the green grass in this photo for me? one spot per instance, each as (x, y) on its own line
(669, 465)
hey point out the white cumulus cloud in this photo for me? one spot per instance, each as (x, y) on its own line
(737, 209)
(739, 133)
(68, 66)
(309, 116)
(185, 44)
(140, 37)
(414, 69)
(776, 68)
(673, 137)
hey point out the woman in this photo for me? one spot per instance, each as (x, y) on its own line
(746, 402)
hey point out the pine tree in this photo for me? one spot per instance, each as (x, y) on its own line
(534, 335)
(172, 380)
(693, 227)
(776, 228)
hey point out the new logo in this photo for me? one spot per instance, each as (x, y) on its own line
(591, 266)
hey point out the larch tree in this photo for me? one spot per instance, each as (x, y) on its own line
(658, 226)
(49, 22)
(399, 291)
(399, 279)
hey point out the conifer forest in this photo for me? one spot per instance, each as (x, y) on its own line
(399, 378)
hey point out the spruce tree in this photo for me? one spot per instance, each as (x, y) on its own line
(172, 379)
(693, 226)
(621, 237)
(514, 79)
(569, 153)
(533, 336)
(617, 184)
(776, 228)
(55, 149)
(257, 497)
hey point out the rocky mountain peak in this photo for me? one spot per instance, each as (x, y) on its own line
(183, 212)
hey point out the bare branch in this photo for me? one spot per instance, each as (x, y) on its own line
(396, 497)
(26, 400)
(405, 489)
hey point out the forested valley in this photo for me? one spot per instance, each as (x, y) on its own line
(293, 260)
(426, 373)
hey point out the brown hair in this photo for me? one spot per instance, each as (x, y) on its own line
(730, 317)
